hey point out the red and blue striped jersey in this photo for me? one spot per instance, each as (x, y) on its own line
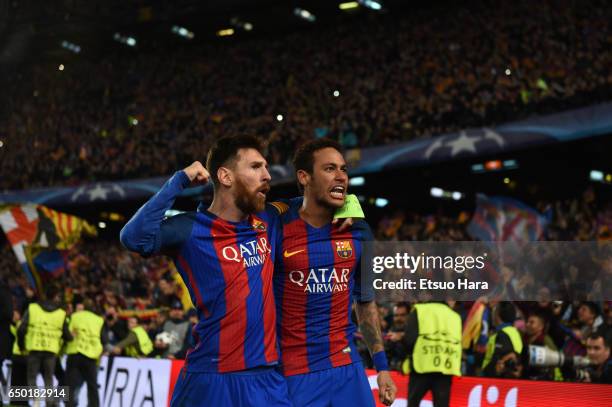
(317, 276)
(227, 268)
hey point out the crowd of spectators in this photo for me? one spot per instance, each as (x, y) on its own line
(132, 290)
(367, 80)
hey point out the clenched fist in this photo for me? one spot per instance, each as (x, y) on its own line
(198, 175)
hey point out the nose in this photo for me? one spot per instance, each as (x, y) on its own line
(266, 175)
(341, 176)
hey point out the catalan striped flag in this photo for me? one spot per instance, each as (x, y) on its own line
(475, 326)
(40, 238)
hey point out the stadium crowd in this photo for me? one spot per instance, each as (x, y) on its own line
(140, 113)
(131, 291)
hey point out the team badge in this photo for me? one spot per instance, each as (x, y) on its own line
(258, 225)
(344, 249)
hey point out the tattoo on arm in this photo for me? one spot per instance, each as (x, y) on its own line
(369, 325)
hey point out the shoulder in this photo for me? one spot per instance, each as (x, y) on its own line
(176, 230)
(503, 340)
(277, 207)
(362, 230)
(181, 220)
(283, 211)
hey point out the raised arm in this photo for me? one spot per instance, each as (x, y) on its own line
(143, 233)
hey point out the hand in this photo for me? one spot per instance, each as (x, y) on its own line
(198, 175)
(116, 350)
(587, 377)
(396, 336)
(386, 388)
(346, 224)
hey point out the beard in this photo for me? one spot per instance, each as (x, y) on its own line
(247, 201)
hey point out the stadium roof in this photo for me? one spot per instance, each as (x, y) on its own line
(36, 29)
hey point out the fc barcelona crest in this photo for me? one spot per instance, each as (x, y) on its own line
(344, 249)
(258, 225)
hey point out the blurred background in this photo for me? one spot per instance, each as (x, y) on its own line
(440, 106)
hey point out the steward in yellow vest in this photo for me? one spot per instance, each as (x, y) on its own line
(433, 341)
(19, 373)
(44, 326)
(86, 328)
(502, 358)
(84, 351)
(137, 343)
(42, 331)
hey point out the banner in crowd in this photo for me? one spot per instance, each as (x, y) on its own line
(506, 219)
(41, 238)
(150, 382)
(571, 125)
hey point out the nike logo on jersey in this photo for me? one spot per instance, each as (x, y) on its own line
(289, 254)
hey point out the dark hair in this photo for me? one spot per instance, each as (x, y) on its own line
(541, 316)
(90, 305)
(591, 306)
(606, 335)
(403, 305)
(506, 312)
(225, 150)
(303, 159)
(53, 293)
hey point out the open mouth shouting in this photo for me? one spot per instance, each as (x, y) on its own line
(338, 192)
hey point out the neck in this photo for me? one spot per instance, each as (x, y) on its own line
(315, 214)
(534, 337)
(224, 207)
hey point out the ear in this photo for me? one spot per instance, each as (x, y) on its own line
(303, 178)
(225, 176)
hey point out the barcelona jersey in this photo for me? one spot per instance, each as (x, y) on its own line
(317, 276)
(227, 268)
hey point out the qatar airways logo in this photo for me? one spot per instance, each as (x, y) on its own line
(321, 280)
(251, 253)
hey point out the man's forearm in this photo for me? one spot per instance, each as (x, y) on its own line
(131, 339)
(369, 325)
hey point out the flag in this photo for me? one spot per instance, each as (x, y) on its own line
(40, 238)
(20, 225)
(182, 291)
(506, 219)
(472, 327)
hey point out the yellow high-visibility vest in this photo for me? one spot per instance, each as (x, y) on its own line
(44, 329)
(16, 349)
(438, 346)
(144, 342)
(88, 328)
(515, 338)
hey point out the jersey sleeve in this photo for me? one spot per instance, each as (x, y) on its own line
(363, 290)
(146, 232)
(281, 206)
(175, 231)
